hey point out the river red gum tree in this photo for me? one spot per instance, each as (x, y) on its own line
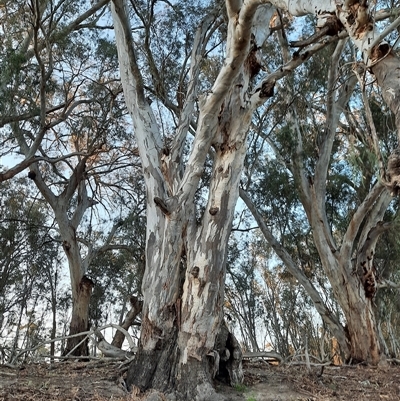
(183, 283)
(354, 284)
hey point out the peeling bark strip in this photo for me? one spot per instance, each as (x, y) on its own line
(393, 172)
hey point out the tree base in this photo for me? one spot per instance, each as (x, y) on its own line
(191, 381)
(161, 370)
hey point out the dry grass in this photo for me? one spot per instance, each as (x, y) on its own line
(91, 381)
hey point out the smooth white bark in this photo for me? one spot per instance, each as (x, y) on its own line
(172, 232)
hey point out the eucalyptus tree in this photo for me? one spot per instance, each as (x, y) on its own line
(344, 203)
(61, 111)
(23, 74)
(242, 295)
(118, 275)
(183, 282)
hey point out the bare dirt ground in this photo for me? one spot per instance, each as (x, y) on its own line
(96, 381)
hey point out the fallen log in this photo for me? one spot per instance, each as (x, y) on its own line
(110, 351)
(265, 354)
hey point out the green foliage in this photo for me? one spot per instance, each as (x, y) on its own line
(240, 387)
(29, 263)
(85, 118)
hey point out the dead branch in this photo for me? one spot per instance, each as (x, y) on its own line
(109, 350)
(84, 333)
(265, 354)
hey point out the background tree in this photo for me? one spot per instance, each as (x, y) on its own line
(21, 27)
(243, 293)
(349, 221)
(29, 264)
(69, 126)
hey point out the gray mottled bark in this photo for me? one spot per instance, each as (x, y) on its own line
(183, 283)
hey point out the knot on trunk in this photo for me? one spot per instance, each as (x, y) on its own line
(267, 89)
(87, 283)
(253, 63)
(214, 210)
(393, 173)
(167, 206)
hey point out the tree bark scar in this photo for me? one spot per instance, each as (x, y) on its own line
(178, 305)
(380, 51)
(253, 62)
(202, 284)
(195, 271)
(393, 172)
(267, 89)
(162, 205)
(86, 283)
(235, 62)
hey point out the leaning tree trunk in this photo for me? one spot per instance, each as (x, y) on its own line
(81, 286)
(134, 311)
(351, 284)
(183, 283)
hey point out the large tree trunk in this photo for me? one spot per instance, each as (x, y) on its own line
(183, 283)
(362, 332)
(78, 346)
(177, 343)
(361, 328)
(81, 287)
(353, 285)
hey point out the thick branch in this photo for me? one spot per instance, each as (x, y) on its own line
(239, 34)
(356, 221)
(74, 181)
(264, 89)
(136, 308)
(334, 110)
(178, 143)
(146, 129)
